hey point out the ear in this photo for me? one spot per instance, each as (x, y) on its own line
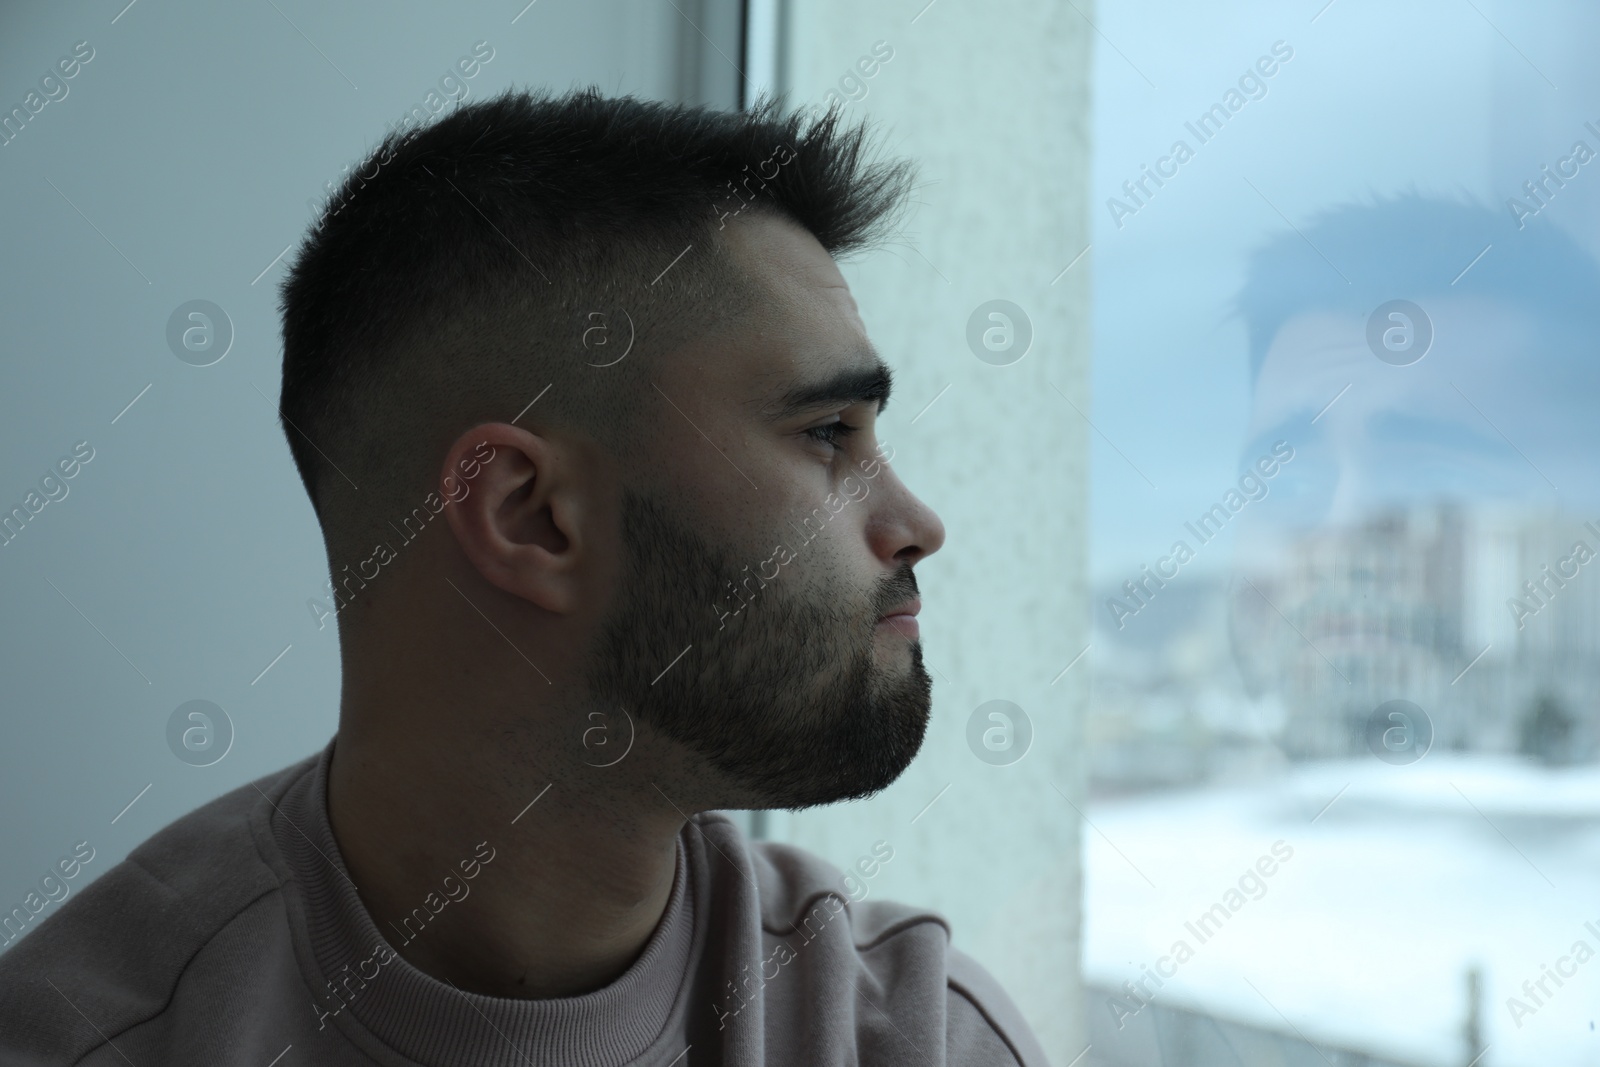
(514, 501)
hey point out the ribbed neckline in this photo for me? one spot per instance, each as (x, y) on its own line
(433, 1023)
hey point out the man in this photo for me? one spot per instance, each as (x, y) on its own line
(608, 342)
(1429, 365)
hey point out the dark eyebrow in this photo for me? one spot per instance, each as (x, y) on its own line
(1409, 429)
(854, 386)
(1296, 428)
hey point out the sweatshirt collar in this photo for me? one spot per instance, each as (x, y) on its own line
(359, 983)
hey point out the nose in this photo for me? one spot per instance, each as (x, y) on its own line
(1349, 500)
(903, 529)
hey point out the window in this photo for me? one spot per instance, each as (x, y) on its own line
(1345, 285)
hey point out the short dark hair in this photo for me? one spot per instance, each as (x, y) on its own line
(454, 274)
(1354, 257)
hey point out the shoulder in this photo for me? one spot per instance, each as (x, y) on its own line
(984, 1023)
(121, 944)
(895, 957)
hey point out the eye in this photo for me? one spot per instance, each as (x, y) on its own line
(831, 433)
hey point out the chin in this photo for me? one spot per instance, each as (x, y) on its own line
(856, 758)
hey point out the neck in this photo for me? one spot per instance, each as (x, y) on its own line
(474, 886)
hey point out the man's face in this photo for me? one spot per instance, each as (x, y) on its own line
(765, 546)
(1395, 434)
(1484, 423)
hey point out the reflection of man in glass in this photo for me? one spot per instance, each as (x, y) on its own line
(1432, 475)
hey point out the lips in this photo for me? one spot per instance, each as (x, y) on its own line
(909, 609)
(902, 620)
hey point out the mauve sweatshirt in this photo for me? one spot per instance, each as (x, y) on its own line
(234, 938)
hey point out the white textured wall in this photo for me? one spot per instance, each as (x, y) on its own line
(993, 102)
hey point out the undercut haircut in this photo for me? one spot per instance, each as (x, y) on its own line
(512, 251)
(1416, 247)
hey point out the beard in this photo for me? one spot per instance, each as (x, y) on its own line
(784, 700)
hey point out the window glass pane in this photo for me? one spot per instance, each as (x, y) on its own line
(1345, 519)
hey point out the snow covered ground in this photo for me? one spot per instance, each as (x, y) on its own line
(1364, 935)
